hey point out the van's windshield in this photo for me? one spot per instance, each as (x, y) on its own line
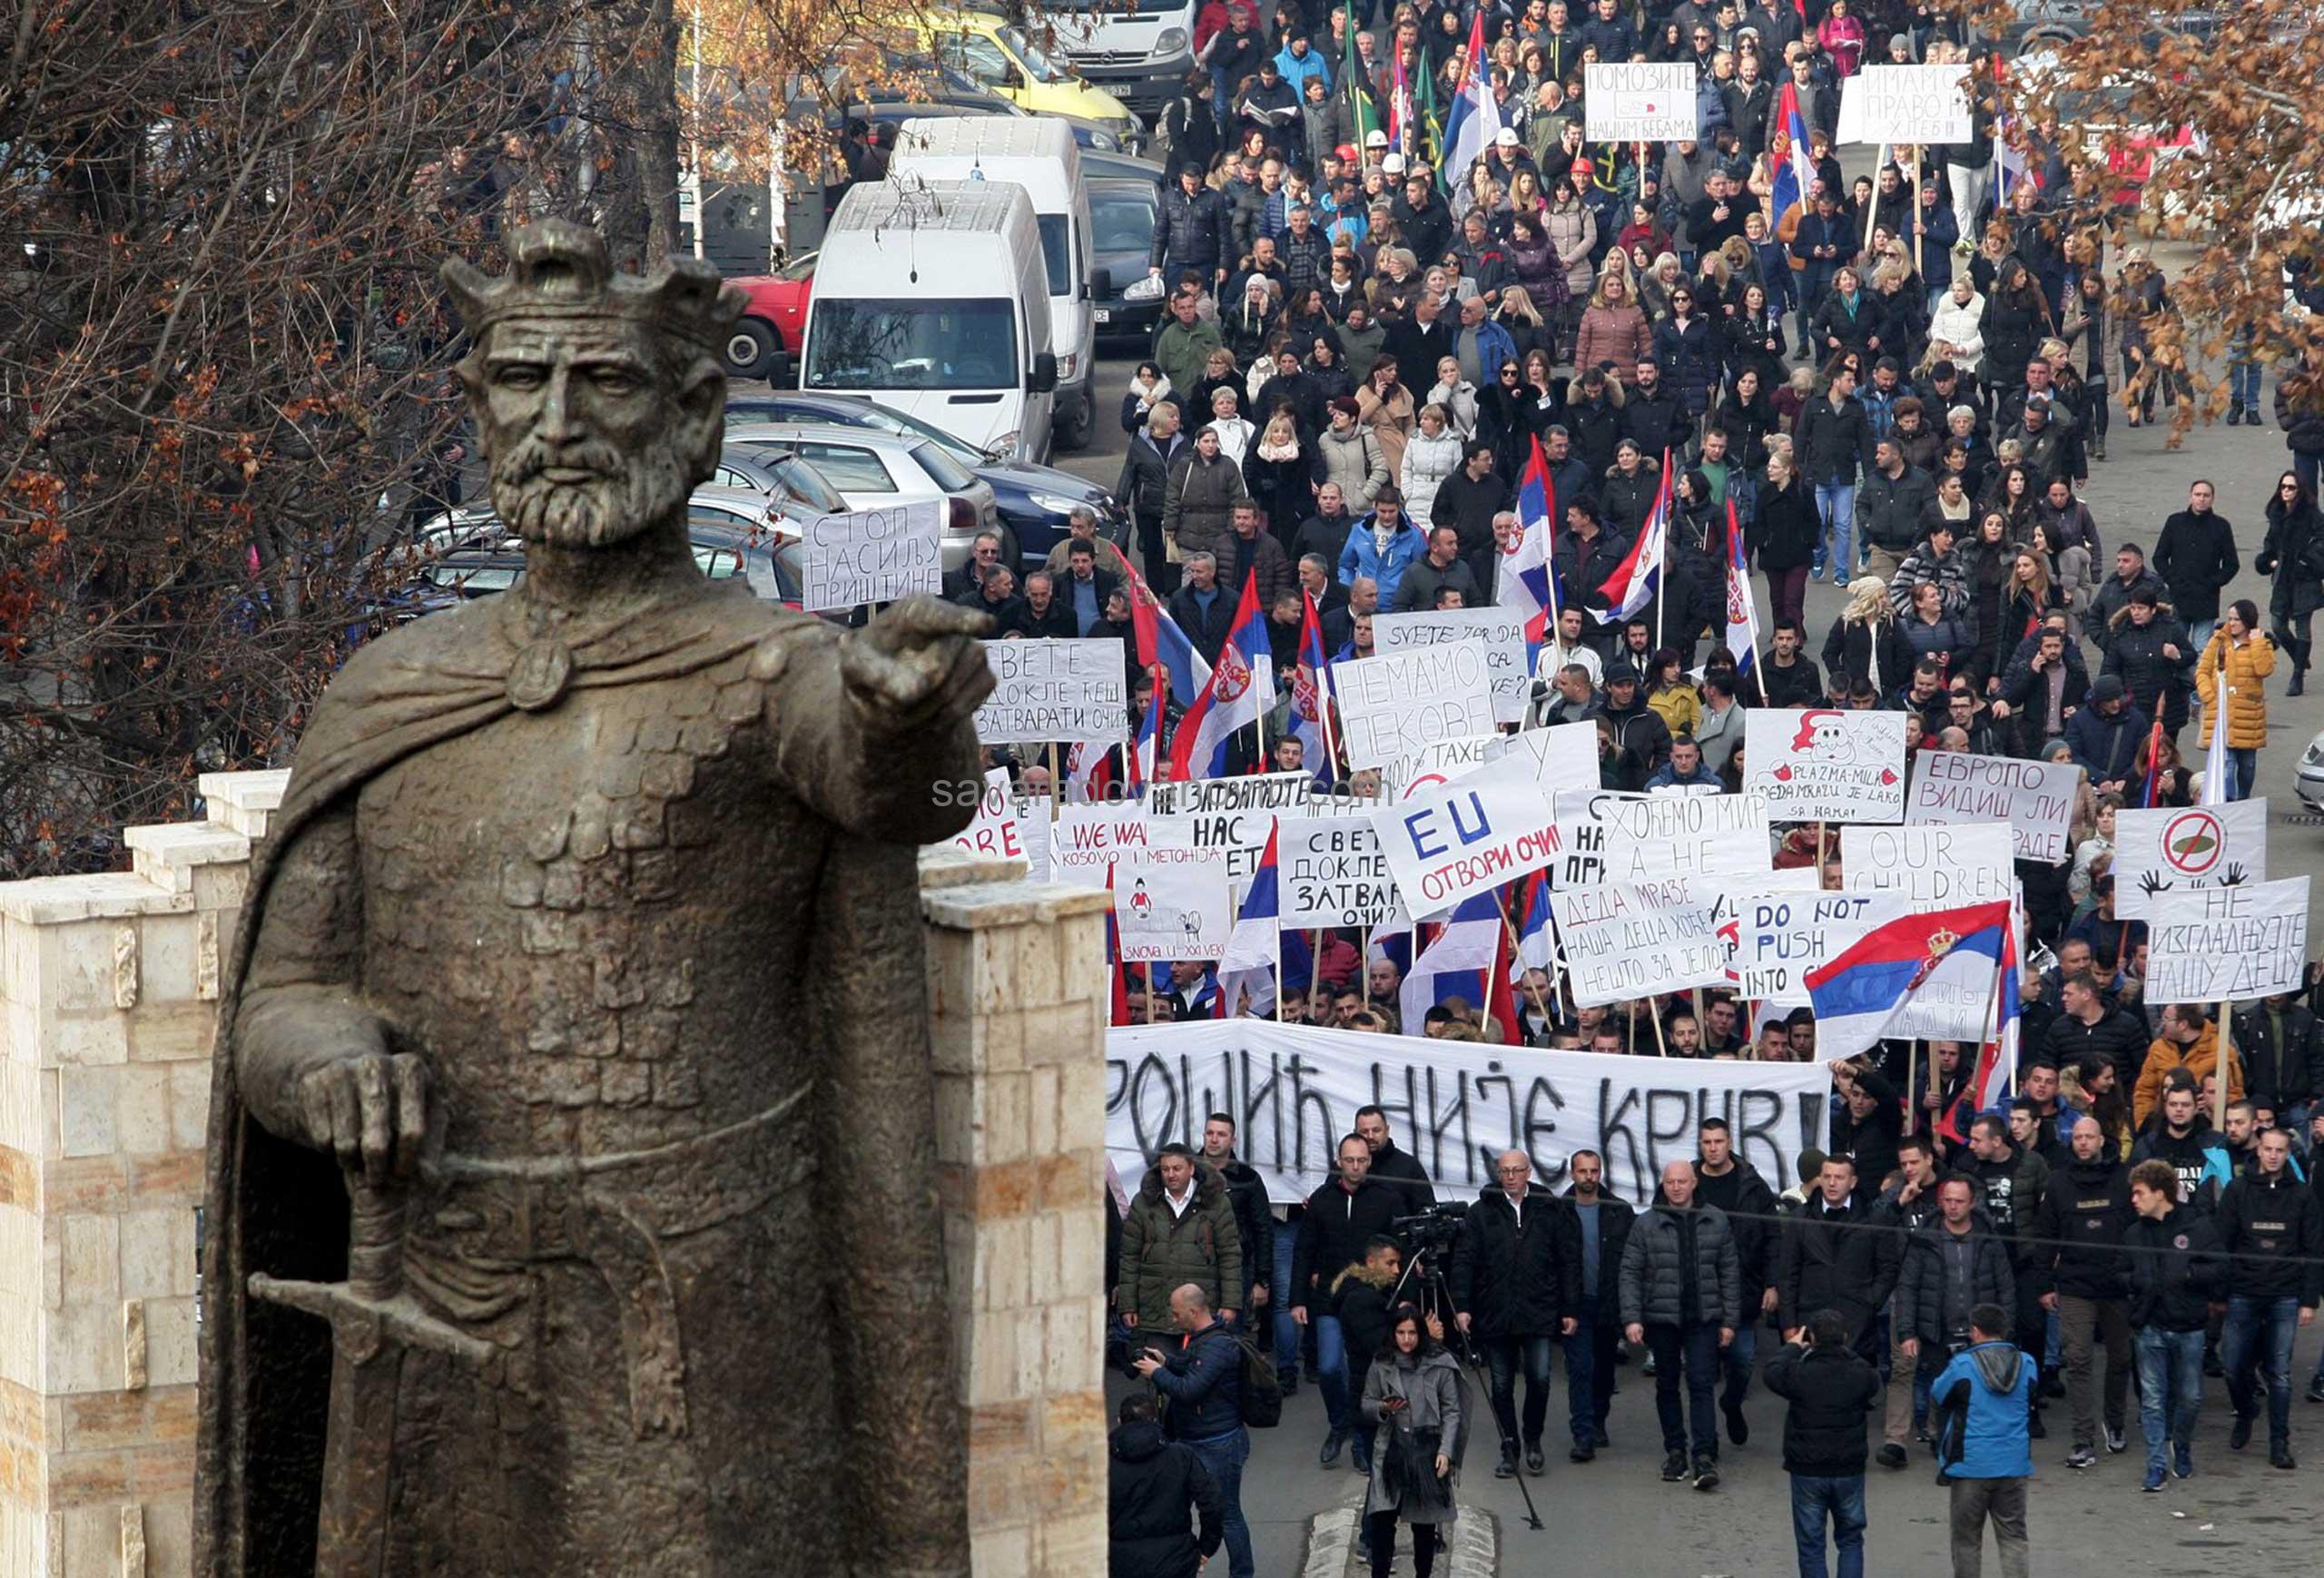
(871, 343)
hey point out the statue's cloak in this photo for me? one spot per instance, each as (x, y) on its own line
(278, 1207)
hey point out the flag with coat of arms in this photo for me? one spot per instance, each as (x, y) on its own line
(1240, 693)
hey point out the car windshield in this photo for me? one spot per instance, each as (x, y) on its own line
(806, 485)
(1121, 225)
(942, 469)
(1039, 66)
(870, 343)
(1057, 253)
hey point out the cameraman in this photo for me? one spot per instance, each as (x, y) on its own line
(1361, 1296)
(1516, 1286)
(1341, 1217)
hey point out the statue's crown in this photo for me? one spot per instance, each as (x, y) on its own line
(557, 269)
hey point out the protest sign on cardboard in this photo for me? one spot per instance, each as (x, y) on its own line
(872, 555)
(1172, 905)
(1610, 837)
(1234, 813)
(1461, 838)
(1901, 105)
(2181, 849)
(1826, 765)
(2217, 945)
(1639, 101)
(995, 832)
(1628, 940)
(1500, 632)
(1330, 871)
(2035, 798)
(1935, 866)
(1054, 690)
(1396, 707)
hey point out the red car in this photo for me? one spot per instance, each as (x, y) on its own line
(775, 320)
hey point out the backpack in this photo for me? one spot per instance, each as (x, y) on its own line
(1260, 1396)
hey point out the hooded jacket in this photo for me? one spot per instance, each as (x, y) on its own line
(1830, 1390)
(2176, 1271)
(2198, 1057)
(1162, 1251)
(1922, 1305)
(1982, 1395)
(2273, 1233)
(1517, 1273)
(2244, 670)
(1149, 1483)
(2199, 1157)
(1360, 1298)
(2080, 1229)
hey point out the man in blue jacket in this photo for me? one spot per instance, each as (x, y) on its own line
(1202, 1382)
(1986, 1452)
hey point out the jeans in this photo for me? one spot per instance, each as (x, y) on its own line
(1503, 1356)
(1691, 1351)
(2200, 632)
(1331, 1369)
(2082, 1321)
(1286, 1330)
(2241, 1354)
(2170, 1389)
(1841, 1498)
(1836, 503)
(2242, 768)
(2242, 382)
(2099, 405)
(1381, 1527)
(1736, 1361)
(2003, 1501)
(1224, 1456)
(2307, 467)
(1588, 1373)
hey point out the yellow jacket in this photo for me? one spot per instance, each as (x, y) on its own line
(1680, 707)
(2198, 1060)
(2246, 699)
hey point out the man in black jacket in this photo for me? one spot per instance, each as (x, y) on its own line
(1733, 1185)
(1834, 452)
(1790, 677)
(1653, 416)
(2080, 1267)
(1866, 1122)
(1829, 1387)
(1642, 739)
(2273, 1232)
(2088, 1025)
(1150, 1481)
(2195, 556)
(1833, 1256)
(1516, 1284)
(1391, 1165)
(1201, 1383)
(2175, 1271)
(1602, 1228)
(1341, 1217)
(1246, 1195)
(2283, 1056)
(1190, 230)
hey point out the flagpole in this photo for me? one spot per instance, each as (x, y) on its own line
(2218, 1072)
(1914, 210)
(1913, 1080)
(1661, 1046)
(1056, 784)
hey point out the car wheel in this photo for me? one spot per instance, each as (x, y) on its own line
(1075, 433)
(751, 348)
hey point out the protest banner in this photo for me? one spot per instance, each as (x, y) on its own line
(1824, 765)
(1330, 871)
(1394, 707)
(1085, 841)
(994, 832)
(1172, 904)
(1437, 763)
(1500, 632)
(1564, 756)
(1033, 829)
(1627, 940)
(2180, 849)
(2221, 944)
(1901, 104)
(1054, 690)
(1461, 838)
(872, 555)
(1936, 867)
(1777, 936)
(1454, 1106)
(1639, 101)
(2035, 798)
(1234, 813)
(1609, 837)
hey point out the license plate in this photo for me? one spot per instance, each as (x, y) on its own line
(1105, 315)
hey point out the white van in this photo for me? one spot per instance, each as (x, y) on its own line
(1038, 154)
(934, 299)
(1139, 53)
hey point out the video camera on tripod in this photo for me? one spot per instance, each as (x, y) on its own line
(1434, 1231)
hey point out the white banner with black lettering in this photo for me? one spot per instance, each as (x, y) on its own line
(2223, 945)
(1330, 871)
(1501, 634)
(1054, 690)
(1394, 708)
(1455, 1105)
(1172, 904)
(2035, 798)
(1776, 937)
(1235, 814)
(1937, 867)
(1629, 940)
(2185, 848)
(1609, 837)
(872, 555)
(1639, 101)
(1903, 104)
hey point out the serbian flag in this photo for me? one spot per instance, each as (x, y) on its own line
(2154, 784)
(1742, 615)
(2009, 159)
(1159, 639)
(1474, 118)
(1308, 706)
(1930, 973)
(1400, 105)
(1533, 945)
(1524, 585)
(1251, 961)
(1788, 157)
(1090, 772)
(1637, 578)
(1143, 758)
(1240, 692)
(1458, 963)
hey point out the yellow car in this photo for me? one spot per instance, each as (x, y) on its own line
(996, 55)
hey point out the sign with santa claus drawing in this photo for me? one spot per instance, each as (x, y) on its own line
(1826, 765)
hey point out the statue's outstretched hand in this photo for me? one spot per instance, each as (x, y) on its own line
(917, 663)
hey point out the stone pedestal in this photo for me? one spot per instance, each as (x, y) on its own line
(108, 992)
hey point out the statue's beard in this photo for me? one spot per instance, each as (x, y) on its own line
(620, 498)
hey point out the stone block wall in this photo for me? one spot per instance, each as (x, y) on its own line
(1017, 988)
(108, 991)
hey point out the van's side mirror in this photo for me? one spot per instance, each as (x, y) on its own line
(1043, 378)
(1101, 283)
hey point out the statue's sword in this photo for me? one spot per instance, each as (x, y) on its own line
(373, 1322)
